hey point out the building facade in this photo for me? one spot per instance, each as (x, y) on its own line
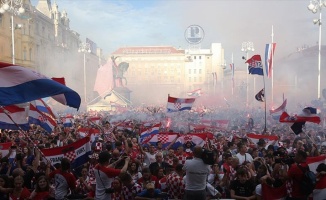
(156, 71)
(45, 43)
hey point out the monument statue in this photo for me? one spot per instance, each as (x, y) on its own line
(118, 72)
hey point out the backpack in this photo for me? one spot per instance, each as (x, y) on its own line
(307, 185)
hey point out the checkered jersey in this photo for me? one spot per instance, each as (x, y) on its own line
(130, 193)
(169, 160)
(182, 158)
(117, 196)
(175, 186)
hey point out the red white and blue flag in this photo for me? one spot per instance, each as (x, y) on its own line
(269, 139)
(13, 117)
(195, 138)
(255, 65)
(68, 121)
(21, 85)
(195, 93)
(94, 120)
(164, 138)
(43, 107)
(269, 54)
(40, 118)
(76, 152)
(4, 149)
(276, 113)
(148, 133)
(179, 104)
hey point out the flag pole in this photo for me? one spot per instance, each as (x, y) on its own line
(28, 138)
(232, 74)
(272, 65)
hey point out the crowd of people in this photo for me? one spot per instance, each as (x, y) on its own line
(121, 167)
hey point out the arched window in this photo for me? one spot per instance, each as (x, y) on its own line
(24, 53)
(30, 53)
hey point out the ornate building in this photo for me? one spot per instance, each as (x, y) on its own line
(45, 43)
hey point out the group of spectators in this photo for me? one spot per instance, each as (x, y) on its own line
(122, 168)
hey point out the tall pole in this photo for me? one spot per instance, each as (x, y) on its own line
(315, 6)
(15, 7)
(319, 54)
(272, 66)
(13, 38)
(84, 48)
(85, 90)
(246, 47)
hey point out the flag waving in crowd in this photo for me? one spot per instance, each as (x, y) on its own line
(21, 85)
(260, 96)
(255, 65)
(269, 57)
(179, 104)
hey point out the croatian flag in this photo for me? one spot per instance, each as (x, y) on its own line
(269, 54)
(313, 162)
(276, 113)
(269, 139)
(76, 152)
(11, 116)
(68, 121)
(195, 138)
(179, 104)
(21, 85)
(195, 93)
(255, 66)
(40, 118)
(94, 120)
(303, 117)
(94, 133)
(4, 149)
(43, 107)
(149, 132)
(83, 132)
(164, 138)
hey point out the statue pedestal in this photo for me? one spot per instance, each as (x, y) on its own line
(124, 93)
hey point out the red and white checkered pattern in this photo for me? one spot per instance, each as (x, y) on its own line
(130, 193)
(176, 186)
(98, 146)
(182, 158)
(162, 138)
(71, 155)
(177, 105)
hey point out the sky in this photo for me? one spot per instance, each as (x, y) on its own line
(118, 23)
(112, 24)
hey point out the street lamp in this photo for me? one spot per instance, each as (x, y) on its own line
(315, 6)
(15, 7)
(246, 47)
(84, 48)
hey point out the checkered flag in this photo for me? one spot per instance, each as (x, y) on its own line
(71, 155)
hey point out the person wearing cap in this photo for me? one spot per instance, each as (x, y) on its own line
(149, 193)
(104, 174)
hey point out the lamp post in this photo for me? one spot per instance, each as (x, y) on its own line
(15, 7)
(84, 48)
(314, 7)
(246, 47)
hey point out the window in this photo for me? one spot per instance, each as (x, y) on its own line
(199, 71)
(189, 79)
(195, 71)
(30, 53)
(199, 57)
(195, 57)
(200, 79)
(195, 79)
(1, 20)
(189, 71)
(24, 53)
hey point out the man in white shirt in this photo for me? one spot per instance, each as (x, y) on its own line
(243, 156)
(196, 176)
